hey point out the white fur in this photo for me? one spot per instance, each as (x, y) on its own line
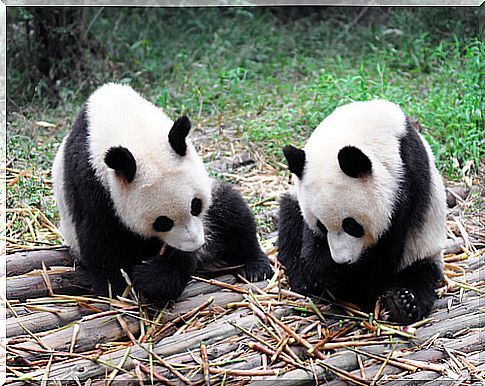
(327, 194)
(67, 226)
(164, 184)
(344, 248)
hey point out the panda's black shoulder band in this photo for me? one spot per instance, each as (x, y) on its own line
(177, 135)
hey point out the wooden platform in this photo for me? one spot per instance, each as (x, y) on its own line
(226, 332)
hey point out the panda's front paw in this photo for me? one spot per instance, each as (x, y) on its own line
(402, 305)
(256, 270)
(158, 281)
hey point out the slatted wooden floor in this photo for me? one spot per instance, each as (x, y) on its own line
(221, 331)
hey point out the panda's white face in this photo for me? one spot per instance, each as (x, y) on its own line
(347, 176)
(157, 182)
(168, 203)
(347, 226)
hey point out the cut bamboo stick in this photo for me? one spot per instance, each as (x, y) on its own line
(84, 369)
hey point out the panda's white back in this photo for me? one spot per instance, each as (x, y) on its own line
(375, 127)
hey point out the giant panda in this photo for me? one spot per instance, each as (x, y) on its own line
(133, 194)
(365, 216)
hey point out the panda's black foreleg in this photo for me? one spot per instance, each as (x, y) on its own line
(163, 278)
(290, 233)
(102, 265)
(231, 234)
(106, 282)
(412, 294)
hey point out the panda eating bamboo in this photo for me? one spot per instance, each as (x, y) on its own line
(365, 217)
(133, 194)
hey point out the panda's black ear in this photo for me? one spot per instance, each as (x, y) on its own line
(354, 162)
(177, 135)
(122, 161)
(296, 159)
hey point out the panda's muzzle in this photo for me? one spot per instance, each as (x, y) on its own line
(192, 246)
(189, 237)
(344, 248)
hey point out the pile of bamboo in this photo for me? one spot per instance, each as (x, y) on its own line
(223, 331)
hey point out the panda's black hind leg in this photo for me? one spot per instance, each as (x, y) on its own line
(163, 278)
(412, 295)
(231, 235)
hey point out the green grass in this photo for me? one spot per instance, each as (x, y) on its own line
(275, 79)
(269, 74)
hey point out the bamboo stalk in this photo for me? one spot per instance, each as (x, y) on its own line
(204, 363)
(222, 285)
(45, 377)
(281, 347)
(331, 337)
(244, 373)
(156, 330)
(295, 336)
(156, 375)
(344, 374)
(394, 362)
(381, 369)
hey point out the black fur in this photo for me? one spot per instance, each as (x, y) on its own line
(322, 227)
(177, 135)
(353, 162)
(106, 245)
(120, 159)
(296, 159)
(163, 278)
(231, 231)
(415, 189)
(163, 224)
(196, 206)
(352, 227)
(408, 294)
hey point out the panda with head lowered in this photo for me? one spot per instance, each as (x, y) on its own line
(365, 217)
(133, 194)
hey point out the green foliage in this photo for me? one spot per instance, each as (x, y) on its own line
(274, 74)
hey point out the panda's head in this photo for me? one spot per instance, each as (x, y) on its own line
(157, 183)
(347, 176)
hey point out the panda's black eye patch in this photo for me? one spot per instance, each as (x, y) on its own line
(163, 224)
(196, 207)
(352, 227)
(322, 227)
